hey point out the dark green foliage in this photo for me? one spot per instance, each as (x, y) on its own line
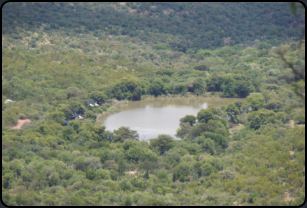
(58, 117)
(99, 97)
(127, 88)
(156, 87)
(238, 104)
(180, 172)
(255, 102)
(243, 85)
(97, 145)
(217, 138)
(91, 115)
(274, 105)
(165, 72)
(180, 88)
(270, 87)
(208, 145)
(91, 174)
(162, 143)
(261, 117)
(214, 82)
(232, 113)
(228, 87)
(199, 86)
(203, 116)
(76, 107)
(134, 154)
(187, 24)
(201, 68)
(124, 133)
(154, 202)
(188, 118)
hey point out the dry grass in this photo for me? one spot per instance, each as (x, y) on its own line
(287, 197)
(132, 173)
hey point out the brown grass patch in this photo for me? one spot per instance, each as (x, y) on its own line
(287, 197)
(20, 123)
(132, 173)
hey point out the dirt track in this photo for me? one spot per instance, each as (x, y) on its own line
(20, 123)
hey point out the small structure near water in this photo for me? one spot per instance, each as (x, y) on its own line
(93, 104)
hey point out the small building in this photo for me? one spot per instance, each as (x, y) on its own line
(93, 104)
(8, 101)
(75, 116)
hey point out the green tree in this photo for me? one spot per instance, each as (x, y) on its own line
(72, 92)
(204, 115)
(68, 113)
(147, 165)
(266, 95)
(111, 165)
(238, 104)
(76, 125)
(180, 88)
(154, 202)
(156, 87)
(124, 133)
(274, 105)
(228, 87)
(49, 200)
(199, 86)
(232, 113)
(188, 118)
(255, 101)
(10, 116)
(91, 174)
(183, 129)
(91, 115)
(54, 179)
(214, 82)
(99, 97)
(209, 146)
(162, 143)
(7, 179)
(80, 163)
(128, 88)
(58, 117)
(134, 153)
(76, 107)
(45, 130)
(242, 85)
(202, 67)
(181, 171)
(260, 117)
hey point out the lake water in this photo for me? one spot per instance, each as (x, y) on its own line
(155, 116)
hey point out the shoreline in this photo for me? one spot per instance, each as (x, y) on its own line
(116, 104)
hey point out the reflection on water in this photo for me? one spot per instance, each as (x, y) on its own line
(155, 116)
